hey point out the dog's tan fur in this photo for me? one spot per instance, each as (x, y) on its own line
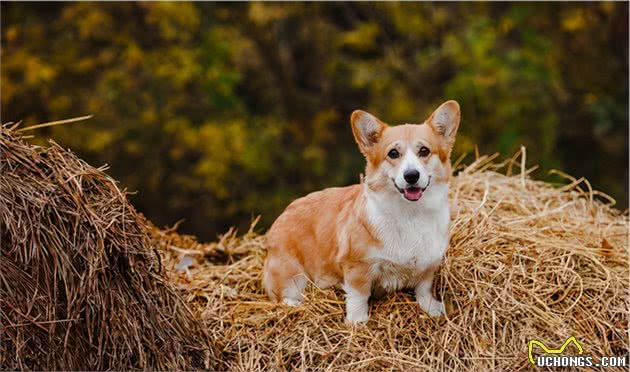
(330, 236)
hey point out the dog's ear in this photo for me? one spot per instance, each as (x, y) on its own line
(445, 120)
(367, 129)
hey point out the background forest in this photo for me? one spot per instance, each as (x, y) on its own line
(217, 112)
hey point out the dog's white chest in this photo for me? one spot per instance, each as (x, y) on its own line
(414, 239)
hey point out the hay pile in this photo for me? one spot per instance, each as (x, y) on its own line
(526, 261)
(88, 284)
(82, 286)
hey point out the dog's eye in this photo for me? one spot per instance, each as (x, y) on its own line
(424, 151)
(393, 154)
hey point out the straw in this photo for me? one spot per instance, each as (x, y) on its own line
(526, 261)
(88, 284)
(81, 283)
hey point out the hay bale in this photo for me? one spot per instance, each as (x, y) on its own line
(526, 261)
(82, 286)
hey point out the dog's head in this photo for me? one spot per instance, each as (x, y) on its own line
(407, 159)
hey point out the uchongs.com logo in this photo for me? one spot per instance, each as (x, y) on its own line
(554, 357)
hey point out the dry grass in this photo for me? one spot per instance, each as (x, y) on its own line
(82, 285)
(526, 260)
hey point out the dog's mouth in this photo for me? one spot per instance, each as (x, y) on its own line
(412, 193)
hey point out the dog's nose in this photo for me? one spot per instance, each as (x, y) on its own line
(411, 176)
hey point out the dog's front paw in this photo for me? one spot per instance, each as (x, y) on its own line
(433, 307)
(293, 302)
(356, 318)
(356, 306)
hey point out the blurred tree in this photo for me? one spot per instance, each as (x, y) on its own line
(217, 112)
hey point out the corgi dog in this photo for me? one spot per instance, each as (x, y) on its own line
(387, 233)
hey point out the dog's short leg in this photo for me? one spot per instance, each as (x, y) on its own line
(284, 279)
(357, 288)
(356, 305)
(425, 298)
(292, 293)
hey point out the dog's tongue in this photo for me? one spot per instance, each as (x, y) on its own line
(413, 193)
